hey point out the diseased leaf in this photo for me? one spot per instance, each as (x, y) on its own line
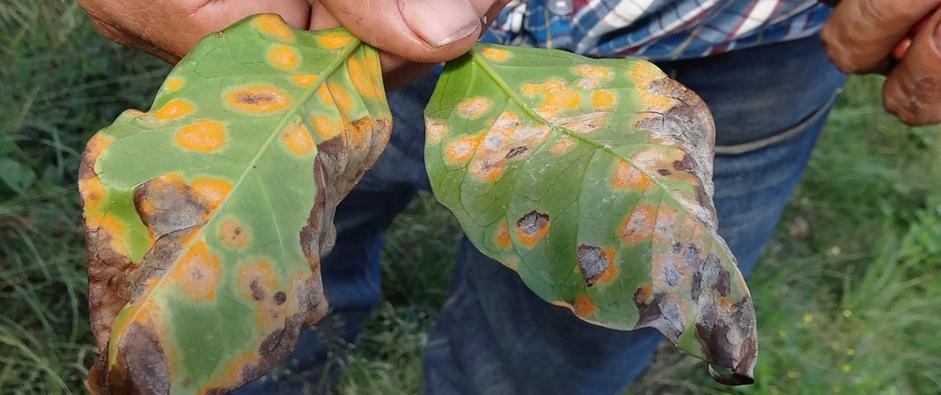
(592, 179)
(206, 217)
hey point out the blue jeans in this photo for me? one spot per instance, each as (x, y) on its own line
(493, 335)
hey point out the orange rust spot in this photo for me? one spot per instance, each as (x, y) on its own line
(638, 225)
(653, 102)
(591, 71)
(297, 140)
(502, 236)
(283, 57)
(473, 107)
(494, 54)
(361, 79)
(342, 99)
(332, 40)
(564, 145)
(258, 99)
(435, 129)
(641, 73)
(323, 93)
(233, 234)
(532, 227)
(583, 306)
(325, 127)
(602, 99)
(557, 97)
(96, 145)
(92, 194)
(487, 172)
(303, 80)
(173, 110)
(461, 149)
(211, 192)
(197, 273)
(610, 272)
(257, 281)
(271, 25)
(203, 136)
(173, 84)
(628, 177)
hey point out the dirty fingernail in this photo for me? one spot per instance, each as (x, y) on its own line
(440, 22)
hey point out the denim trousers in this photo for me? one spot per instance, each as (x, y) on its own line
(493, 335)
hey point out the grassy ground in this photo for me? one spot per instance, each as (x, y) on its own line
(847, 293)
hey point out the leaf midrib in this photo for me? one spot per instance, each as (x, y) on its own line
(328, 71)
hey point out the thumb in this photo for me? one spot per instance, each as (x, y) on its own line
(426, 31)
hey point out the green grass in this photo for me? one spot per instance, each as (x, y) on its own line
(847, 294)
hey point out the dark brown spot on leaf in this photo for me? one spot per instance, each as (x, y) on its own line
(663, 172)
(279, 298)
(592, 261)
(516, 151)
(532, 223)
(257, 97)
(258, 292)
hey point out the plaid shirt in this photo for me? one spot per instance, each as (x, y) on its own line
(655, 29)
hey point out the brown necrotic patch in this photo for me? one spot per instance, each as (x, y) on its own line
(258, 99)
(166, 205)
(596, 264)
(532, 227)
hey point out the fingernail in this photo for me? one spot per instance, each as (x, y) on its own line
(440, 22)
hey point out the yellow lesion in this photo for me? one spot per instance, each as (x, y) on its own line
(325, 127)
(557, 97)
(174, 84)
(564, 145)
(435, 129)
(196, 273)
(462, 148)
(258, 99)
(211, 192)
(303, 80)
(340, 97)
(361, 78)
(173, 110)
(494, 54)
(234, 234)
(297, 140)
(474, 107)
(626, 176)
(203, 136)
(602, 99)
(332, 41)
(273, 26)
(283, 57)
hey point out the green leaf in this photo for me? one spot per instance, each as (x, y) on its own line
(592, 179)
(206, 217)
(15, 175)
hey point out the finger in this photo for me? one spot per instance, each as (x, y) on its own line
(860, 34)
(123, 38)
(425, 31)
(913, 90)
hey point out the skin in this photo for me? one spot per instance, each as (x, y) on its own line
(413, 35)
(860, 37)
(901, 39)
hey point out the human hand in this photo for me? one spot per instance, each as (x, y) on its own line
(412, 34)
(863, 36)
